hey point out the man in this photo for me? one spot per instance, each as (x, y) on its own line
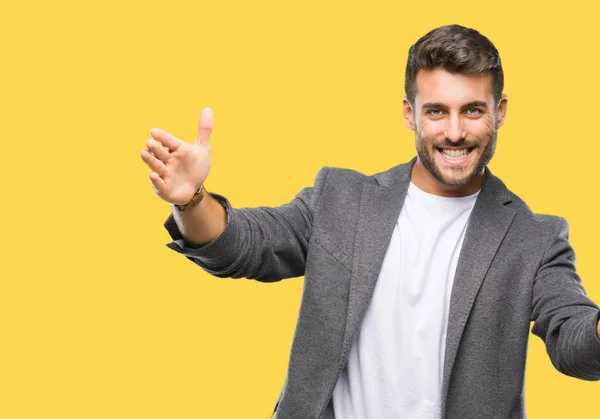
(420, 281)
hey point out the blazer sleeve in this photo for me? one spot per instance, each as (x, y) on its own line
(564, 317)
(263, 243)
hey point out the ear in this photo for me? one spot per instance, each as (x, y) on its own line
(501, 111)
(409, 117)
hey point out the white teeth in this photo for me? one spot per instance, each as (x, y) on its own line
(455, 154)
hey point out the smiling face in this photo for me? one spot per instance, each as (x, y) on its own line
(455, 121)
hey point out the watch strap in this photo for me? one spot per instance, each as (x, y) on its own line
(198, 196)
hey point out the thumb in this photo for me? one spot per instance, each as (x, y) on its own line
(205, 125)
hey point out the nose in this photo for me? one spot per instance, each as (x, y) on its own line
(454, 128)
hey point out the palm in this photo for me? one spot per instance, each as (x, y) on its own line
(180, 168)
(186, 170)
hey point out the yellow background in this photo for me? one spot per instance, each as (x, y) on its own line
(99, 319)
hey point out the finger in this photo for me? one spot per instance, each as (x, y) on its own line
(152, 162)
(165, 139)
(157, 183)
(205, 125)
(158, 150)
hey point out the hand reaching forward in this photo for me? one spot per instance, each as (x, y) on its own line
(178, 172)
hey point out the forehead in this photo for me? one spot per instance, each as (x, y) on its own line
(438, 85)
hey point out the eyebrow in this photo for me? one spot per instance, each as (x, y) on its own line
(438, 105)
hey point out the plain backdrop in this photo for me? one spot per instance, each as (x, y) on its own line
(99, 319)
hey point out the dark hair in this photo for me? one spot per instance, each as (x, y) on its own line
(455, 49)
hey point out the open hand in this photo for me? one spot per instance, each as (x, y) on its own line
(179, 169)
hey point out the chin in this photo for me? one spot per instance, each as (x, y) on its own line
(458, 182)
(445, 176)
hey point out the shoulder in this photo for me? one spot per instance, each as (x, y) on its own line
(535, 222)
(344, 177)
(336, 185)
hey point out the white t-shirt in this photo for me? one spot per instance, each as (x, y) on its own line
(395, 366)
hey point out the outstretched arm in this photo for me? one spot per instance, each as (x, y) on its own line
(564, 317)
(266, 244)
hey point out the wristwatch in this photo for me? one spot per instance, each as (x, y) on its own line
(194, 201)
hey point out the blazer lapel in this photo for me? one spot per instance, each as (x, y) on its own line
(380, 207)
(488, 224)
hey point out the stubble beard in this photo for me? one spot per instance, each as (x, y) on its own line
(429, 162)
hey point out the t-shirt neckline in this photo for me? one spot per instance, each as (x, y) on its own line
(439, 198)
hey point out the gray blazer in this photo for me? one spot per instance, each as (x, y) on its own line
(514, 267)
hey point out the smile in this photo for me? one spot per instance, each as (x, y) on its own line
(455, 155)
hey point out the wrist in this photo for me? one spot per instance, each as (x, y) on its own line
(195, 200)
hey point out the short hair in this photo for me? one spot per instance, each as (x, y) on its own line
(456, 49)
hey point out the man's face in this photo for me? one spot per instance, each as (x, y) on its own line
(455, 121)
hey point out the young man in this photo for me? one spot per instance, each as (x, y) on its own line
(420, 281)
